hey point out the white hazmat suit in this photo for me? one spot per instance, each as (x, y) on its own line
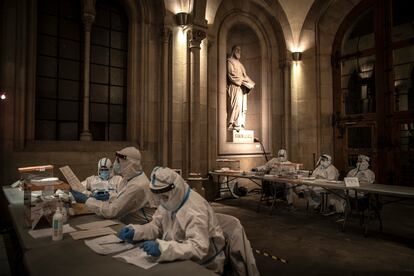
(362, 171)
(275, 166)
(96, 182)
(184, 224)
(133, 202)
(325, 170)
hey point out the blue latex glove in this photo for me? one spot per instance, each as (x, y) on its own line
(152, 248)
(79, 197)
(126, 233)
(104, 196)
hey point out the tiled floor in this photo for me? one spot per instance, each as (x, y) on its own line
(315, 245)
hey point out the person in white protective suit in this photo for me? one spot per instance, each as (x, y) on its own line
(105, 181)
(362, 171)
(134, 202)
(272, 166)
(325, 170)
(238, 250)
(275, 166)
(184, 226)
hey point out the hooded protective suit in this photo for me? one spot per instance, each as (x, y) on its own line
(97, 182)
(184, 224)
(133, 202)
(325, 170)
(362, 171)
(272, 163)
(275, 166)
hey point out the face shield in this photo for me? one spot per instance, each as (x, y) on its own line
(325, 161)
(282, 155)
(362, 163)
(126, 165)
(168, 188)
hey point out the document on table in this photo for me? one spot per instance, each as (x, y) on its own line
(137, 257)
(108, 244)
(92, 233)
(41, 233)
(72, 179)
(97, 224)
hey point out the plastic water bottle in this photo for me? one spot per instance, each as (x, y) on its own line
(57, 225)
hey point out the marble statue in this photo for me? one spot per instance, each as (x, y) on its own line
(239, 86)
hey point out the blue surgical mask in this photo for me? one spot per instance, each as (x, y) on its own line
(104, 174)
(117, 168)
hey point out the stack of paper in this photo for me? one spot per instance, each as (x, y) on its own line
(137, 257)
(97, 224)
(108, 244)
(92, 233)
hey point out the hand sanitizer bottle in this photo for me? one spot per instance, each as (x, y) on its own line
(57, 225)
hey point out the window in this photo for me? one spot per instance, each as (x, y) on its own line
(373, 89)
(59, 79)
(109, 44)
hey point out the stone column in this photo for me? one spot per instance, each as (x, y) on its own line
(165, 99)
(88, 16)
(285, 67)
(195, 36)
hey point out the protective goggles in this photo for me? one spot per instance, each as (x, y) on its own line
(120, 156)
(162, 190)
(324, 158)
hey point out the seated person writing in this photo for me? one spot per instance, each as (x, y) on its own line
(133, 201)
(184, 226)
(275, 167)
(104, 185)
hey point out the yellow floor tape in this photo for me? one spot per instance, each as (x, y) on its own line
(271, 256)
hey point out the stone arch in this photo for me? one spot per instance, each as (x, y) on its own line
(273, 50)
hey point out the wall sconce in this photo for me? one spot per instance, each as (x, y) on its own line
(296, 56)
(182, 18)
(3, 96)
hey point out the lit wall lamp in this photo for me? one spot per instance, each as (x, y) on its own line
(3, 96)
(296, 56)
(182, 18)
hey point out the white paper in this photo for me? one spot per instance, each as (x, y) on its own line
(101, 246)
(41, 233)
(137, 257)
(351, 181)
(97, 224)
(92, 233)
(72, 179)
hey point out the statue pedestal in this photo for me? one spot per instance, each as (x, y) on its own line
(243, 136)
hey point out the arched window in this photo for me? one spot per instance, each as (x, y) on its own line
(373, 89)
(59, 79)
(58, 74)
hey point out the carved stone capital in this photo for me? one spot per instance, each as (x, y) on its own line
(88, 20)
(195, 36)
(88, 14)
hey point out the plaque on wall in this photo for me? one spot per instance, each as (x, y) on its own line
(243, 136)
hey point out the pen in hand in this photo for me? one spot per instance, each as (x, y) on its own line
(111, 242)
